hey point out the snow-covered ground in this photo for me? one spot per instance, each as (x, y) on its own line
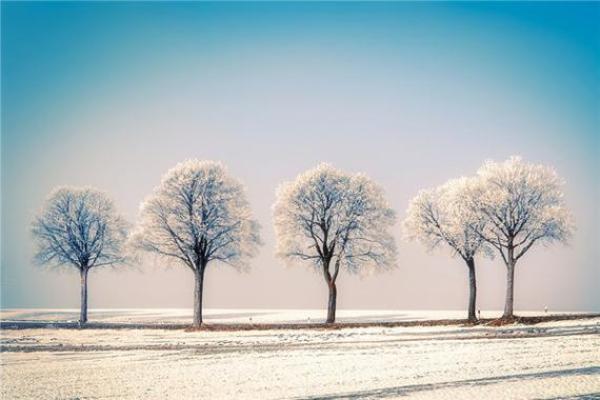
(181, 315)
(550, 360)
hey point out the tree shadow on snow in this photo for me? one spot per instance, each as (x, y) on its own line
(409, 389)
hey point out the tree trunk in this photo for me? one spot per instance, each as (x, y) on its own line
(472, 290)
(332, 303)
(84, 296)
(510, 289)
(198, 288)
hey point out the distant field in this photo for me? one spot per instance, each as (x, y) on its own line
(549, 360)
(240, 316)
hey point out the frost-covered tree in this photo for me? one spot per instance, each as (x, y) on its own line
(198, 214)
(439, 217)
(523, 205)
(334, 220)
(79, 227)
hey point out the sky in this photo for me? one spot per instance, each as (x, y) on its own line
(112, 95)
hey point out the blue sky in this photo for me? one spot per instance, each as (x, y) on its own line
(413, 94)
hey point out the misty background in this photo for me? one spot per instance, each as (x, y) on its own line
(113, 94)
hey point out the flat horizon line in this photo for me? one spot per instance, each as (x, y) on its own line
(285, 309)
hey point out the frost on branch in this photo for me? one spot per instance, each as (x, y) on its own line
(198, 214)
(523, 204)
(441, 216)
(326, 216)
(79, 227)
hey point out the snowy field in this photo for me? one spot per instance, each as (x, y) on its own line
(184, 316)
(551, 360)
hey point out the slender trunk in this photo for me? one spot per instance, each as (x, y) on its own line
(332, 303)
(84, 296)
(510, 289)
(199, 283)
(472, 290)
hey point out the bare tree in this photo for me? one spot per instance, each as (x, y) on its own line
(79, 227)
(334, 220)
(522, 205)
(440, 217)
(196, 215)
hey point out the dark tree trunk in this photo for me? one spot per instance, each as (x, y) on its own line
(84, 296)
(331, 305)
(472, 290)
(198, 288)
(510, 288)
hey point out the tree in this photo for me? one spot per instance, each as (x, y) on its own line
(439, 216)
(523, 205)
(334, 220)
(79, 227)
(196, 215)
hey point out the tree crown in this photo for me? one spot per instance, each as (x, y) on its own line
(522, 203)
(79, 227)
(198, 214)
(440, 216)
(325, 216)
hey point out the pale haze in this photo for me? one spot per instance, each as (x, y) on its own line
(112, 95)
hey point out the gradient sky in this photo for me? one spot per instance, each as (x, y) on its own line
(413, 94)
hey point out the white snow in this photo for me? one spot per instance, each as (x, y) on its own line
(215, 315)
(548, 360)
